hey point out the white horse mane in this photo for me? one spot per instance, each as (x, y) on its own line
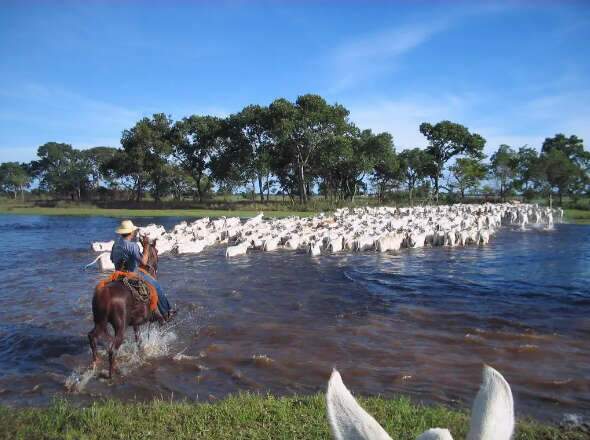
(492, 416)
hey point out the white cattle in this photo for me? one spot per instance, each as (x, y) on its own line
(359, 229)
(102, 246)
(104, 263)
(389, 242)
(270, 244)
(363, 243)
(314, 249)
(450, 238)
(239, 249)
(335, 245)
(483, 237)
(292, 243)
(190, 247)
(492, 414)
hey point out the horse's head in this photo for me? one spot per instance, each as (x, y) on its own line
(149, 246)
(492, 416)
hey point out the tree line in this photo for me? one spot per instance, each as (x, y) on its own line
(297, 149)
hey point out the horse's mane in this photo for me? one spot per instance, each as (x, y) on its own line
(152, 266)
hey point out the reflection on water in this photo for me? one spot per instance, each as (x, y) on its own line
(420, 322)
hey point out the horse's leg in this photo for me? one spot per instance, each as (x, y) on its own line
(92, 337)
(119, 326)
(137, 339)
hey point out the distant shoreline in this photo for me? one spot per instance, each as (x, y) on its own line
(577, 216)
(119, 213)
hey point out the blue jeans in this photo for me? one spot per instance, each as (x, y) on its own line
(163, 304)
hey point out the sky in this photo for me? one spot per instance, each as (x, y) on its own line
(78, 72)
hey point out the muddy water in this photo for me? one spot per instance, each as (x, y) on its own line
(419, 322)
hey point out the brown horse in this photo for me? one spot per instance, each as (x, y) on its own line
(113, 303)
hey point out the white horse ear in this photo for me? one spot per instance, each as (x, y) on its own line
(348, 421)
(492, 416)
(436, 434)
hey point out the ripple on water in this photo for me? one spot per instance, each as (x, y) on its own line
(419, 322)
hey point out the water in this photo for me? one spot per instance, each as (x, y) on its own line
(419, 322)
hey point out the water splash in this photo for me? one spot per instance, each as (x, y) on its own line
(155, 342)
(78, 379)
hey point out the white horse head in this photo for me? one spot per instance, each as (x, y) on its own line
(492, 416)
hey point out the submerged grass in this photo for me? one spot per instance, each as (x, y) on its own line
(243, 416)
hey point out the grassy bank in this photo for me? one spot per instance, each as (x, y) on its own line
(577, 216)
(111, 212)
(238, 417)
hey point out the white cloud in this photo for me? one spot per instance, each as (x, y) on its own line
(402, 117)
(526, 123)
(37, 113)
(378, 53)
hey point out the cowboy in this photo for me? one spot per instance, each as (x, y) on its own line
(126, 256)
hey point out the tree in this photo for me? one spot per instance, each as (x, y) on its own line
(254, 125)
(300, 130)
(446, 140)
(573, 148)
(62, 169)
(468, 173)
(98, 158)
(77, 176)
(147, 147)
(14, 178)
(415, 165)
(503, 165)
(525, 168)
(559, 171)
(386, 174)
(196, 139)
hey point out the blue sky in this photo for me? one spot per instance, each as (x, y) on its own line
(81, 72)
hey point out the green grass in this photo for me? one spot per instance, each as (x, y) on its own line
(577, 215)
(110, 212)
(243, 416)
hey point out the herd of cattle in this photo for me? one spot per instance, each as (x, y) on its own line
(350, 229)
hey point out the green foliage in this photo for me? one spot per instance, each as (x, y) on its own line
(196, 139)
(503, 167)
(146, 148)
(14, 178)
(448, 139)
(526, 167)
(300, 130)
(467, 174)
(62, 169)
(243, 416)
(292, 149)
(98, 158)
(415, 166)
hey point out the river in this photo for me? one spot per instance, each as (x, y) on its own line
(419, 322)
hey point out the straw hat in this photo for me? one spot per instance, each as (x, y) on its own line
(126, 227)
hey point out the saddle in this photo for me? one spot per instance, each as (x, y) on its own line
(142, 291)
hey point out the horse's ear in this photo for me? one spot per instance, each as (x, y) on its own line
(492, 415)
(348, 421)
